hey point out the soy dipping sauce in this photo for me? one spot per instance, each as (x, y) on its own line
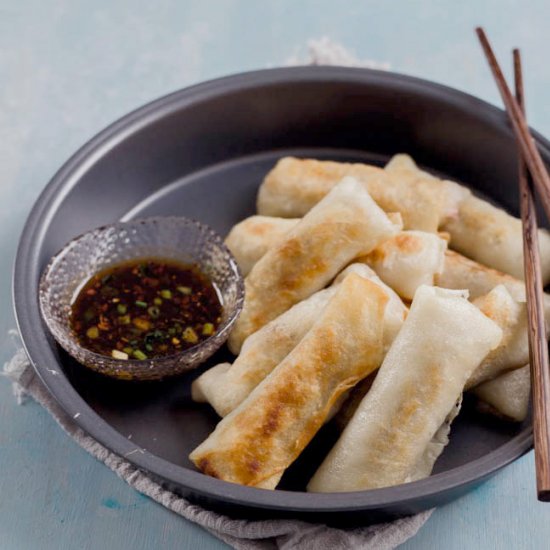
(145, 308)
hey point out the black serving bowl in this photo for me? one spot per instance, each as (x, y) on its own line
(201, 153)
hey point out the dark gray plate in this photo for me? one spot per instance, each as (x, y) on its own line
(202, 152)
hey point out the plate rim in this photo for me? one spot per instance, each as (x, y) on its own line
(37, 342)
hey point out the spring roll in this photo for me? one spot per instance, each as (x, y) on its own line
(506, 396)
(461, 272)
(408, 260)
(492, 237)
(513, 350)
(250, 239)
(256, 442)
(226, 386)
(294, 186)
(442, 341)
(346, 224)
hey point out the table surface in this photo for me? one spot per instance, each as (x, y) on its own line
(69, 68)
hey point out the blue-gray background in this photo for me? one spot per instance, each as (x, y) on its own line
(70, 67)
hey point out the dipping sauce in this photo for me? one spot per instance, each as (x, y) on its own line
(145, 308)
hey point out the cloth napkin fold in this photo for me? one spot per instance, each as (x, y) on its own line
(241, 534)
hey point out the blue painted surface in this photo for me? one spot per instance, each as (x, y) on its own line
(68, 68)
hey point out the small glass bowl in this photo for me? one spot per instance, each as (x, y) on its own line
(179, 239)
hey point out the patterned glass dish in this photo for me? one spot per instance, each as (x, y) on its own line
(170, 238)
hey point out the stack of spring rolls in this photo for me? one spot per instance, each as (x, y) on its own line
(376, 294)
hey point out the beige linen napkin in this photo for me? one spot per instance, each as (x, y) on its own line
(241, 534)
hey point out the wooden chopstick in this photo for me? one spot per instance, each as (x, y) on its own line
(529, 150)
(538, 346)
(529, 157)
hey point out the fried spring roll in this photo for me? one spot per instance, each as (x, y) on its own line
(442, 341)
(513, 350)
(461, 272)
(494, 238)
(255, 443)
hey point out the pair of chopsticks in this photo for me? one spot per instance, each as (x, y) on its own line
(531, 171)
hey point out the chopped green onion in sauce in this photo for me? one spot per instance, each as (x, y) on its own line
(144, 309)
